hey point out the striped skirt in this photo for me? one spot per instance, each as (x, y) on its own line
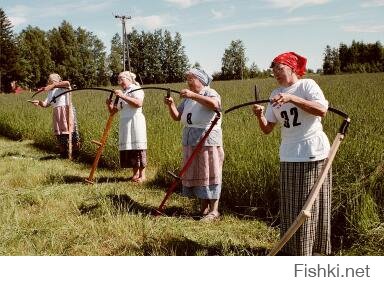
(296, 182)
(203, 177)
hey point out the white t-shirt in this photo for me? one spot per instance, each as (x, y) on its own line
(132, 126)
(197, 115)
(60, 101)
(302, 133)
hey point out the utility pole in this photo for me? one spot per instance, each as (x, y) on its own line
(125, 40)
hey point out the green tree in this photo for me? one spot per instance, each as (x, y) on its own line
(331, 64)
(359, 57)
(178, 61)
(10, 68)
(167, 55)
(157, 57)
(115, 59)
(233, 61)
(344, 56)
(35, 56)
(151, 68)
(79, 55)
(92, 58)
(254, 71)
(64, 50)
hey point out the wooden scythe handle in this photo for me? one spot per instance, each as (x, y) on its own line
(187, 164)
(102, 143)
(70, 125)
(306, 210)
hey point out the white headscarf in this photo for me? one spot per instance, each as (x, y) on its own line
(202, 76)
(54, 77)
(129, 75)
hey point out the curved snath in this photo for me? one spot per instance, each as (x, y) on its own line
(306, 210)
(108, 125)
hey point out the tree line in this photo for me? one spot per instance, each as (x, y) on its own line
(356, 58)
(156, 57)
(79, 56)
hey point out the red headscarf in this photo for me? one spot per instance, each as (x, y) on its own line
(294, 61)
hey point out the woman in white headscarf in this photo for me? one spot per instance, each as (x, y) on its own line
(61, 114)
(203, 179)
(132, 127)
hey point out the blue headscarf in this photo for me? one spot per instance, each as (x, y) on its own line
(202, 76)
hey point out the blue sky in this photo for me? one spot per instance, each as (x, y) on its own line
(266, 27)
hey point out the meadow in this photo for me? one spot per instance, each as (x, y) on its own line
(250, 175)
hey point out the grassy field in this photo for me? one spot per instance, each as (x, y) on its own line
(46, 210)
(250, 175)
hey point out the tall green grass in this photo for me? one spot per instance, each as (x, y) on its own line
(250, 175)
(46, 210)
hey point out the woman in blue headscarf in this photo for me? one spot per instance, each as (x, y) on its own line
(203, 179)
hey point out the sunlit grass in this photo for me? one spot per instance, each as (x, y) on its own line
(46, 209)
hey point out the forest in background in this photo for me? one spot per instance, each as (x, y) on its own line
(156, 57)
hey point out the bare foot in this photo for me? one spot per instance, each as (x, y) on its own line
(138, 180)
(205, 211)
(212, 216)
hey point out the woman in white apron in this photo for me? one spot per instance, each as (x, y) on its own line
(132, 127)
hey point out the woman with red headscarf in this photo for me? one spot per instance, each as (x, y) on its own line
(298, 105)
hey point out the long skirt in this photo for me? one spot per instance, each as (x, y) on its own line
(61, 129)
(133, 158)
(296, 182)
(204, 176)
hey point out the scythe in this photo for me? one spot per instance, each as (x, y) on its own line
(108, 125)
(306, 210)
(197, 149)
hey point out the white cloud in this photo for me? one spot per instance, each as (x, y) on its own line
(184, 3)
(253, 25)
(364, 28)
(294, 4)
(225, 13)
(23, 11)
(217, 14)
(372, 3)
(18, 14)
(17, 20)
(151, 22)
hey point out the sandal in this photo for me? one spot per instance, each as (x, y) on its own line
(211, 217)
